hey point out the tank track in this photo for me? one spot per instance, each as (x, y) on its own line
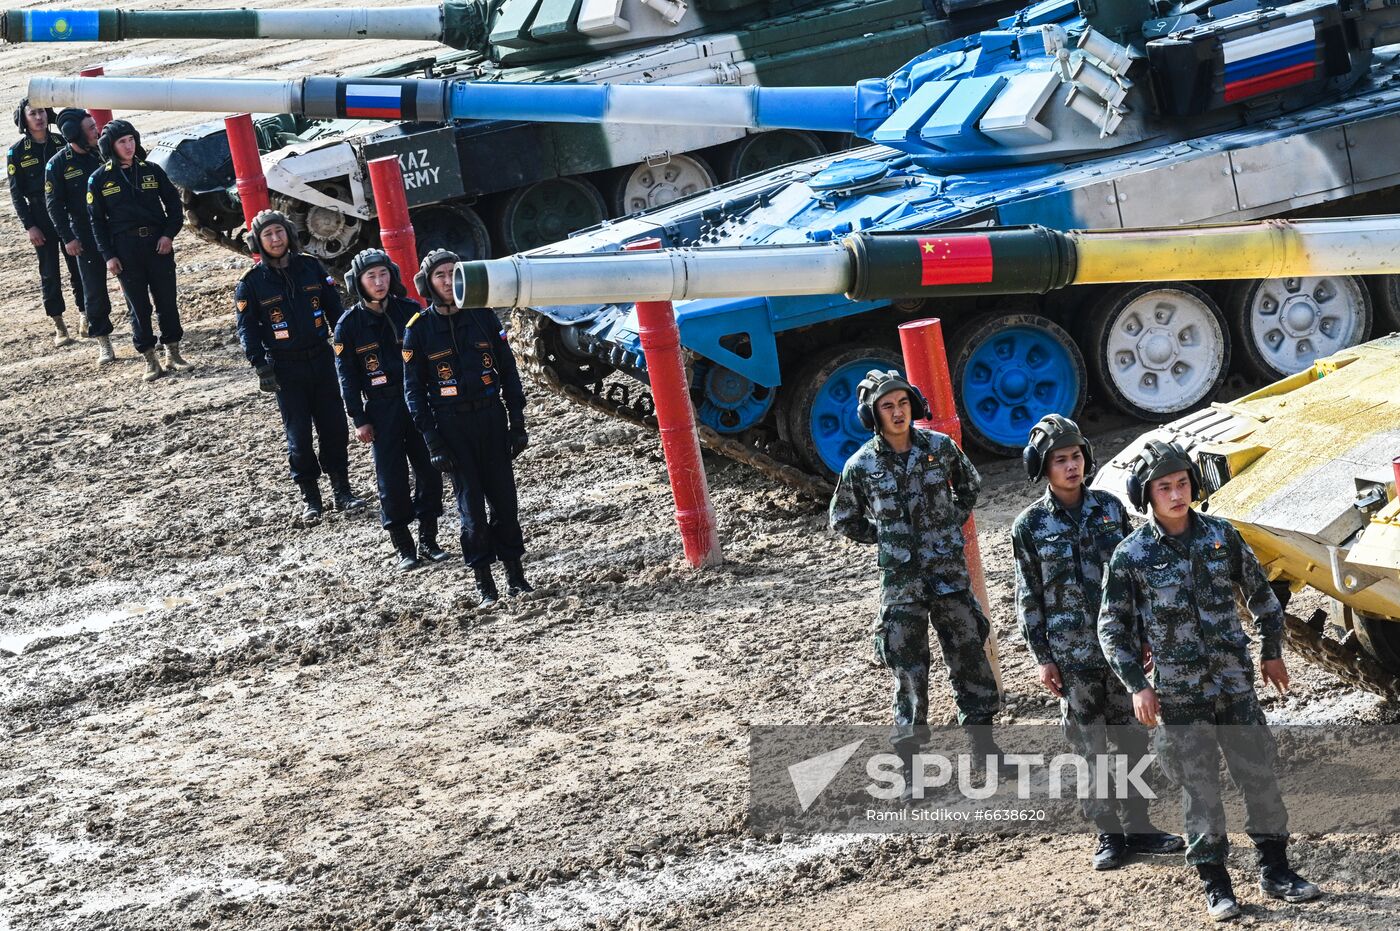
(1343, 658)
(208, 233)
(527, 342)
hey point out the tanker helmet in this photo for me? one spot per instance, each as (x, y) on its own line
(19, 117)
(114, 130)
(423, 280)
(875, 385)
(363, 262)
(262, 221)
(1051, 433)
(1156, 459)
(70, 124)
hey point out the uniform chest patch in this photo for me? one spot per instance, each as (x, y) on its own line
(444, 372)
(275, 315)
(486, 361)
(372, 361)
(149, 183)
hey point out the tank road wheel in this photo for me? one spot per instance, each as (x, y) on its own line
(1009, 371)
(1283, 325)
(548, 211)
(819, 406)
(1385, 296)
(645, 187)
(1158, 350)
(457, 229)
(728, 402)
(764, 151)
(1380, 637)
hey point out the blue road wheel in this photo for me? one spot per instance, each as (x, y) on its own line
(819, 414)
(727, 401)
(1010, 370)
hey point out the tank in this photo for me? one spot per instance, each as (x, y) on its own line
(486, 187)
(1305, 469)
(1114, 114)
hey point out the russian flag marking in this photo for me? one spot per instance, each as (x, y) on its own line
(1270, 61)
(374, 101)
(963, 259)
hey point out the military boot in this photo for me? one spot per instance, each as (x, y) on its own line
(1112, 851)
(1220, 895)
(105, 354)
(153, 369)
(427, 541)
(173, 359)
(486, 586)
(1143, 836)
(403, 542)
(345, 499)
(82, 325)
(986, 750)
(311, 496)
(1277, 879)
(60, 332)
(515, 578)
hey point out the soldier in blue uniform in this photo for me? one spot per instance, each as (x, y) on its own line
(136, 216)
(1171, 589)
(369, 360)
(1062, 544)
(38, 143)
(284, 306)
(464, 392)
(65, 196)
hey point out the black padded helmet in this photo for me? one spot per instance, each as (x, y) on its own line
(266, 218)
(114, 130)
(1156, 459)
(431, 261)
(23, 127)
(875, 385)
(70, 124)
(363, 262)
(1053, 432)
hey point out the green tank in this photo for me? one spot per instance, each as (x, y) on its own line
(484, 188)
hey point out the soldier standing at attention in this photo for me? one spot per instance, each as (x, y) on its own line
(65, 196)
(136, 215)
(909, 491)
(464, 392)
(1062, 544)
(27, 158)
(369, 360)
(283, 304)
(1171, 589)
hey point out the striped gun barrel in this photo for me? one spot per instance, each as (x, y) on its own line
(413, 23)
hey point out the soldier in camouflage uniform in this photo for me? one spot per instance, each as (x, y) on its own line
(1171, 589)
(1062, 544)
(910, 490)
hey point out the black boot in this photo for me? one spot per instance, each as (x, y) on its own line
(1220, 895)
(427, 541)
(403, 542)
(486, 586)
(1277, 879)
(985, 750)
(311, 495)
(515, 578)
(345, 499)
(1143, 836)
(1112, 852)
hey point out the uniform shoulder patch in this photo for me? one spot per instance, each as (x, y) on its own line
(90, 197)
(407, 355)
(338, 347)
(412, 320)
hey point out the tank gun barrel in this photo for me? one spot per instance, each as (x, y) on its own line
(879, 266)
(414, 23)
(814, 108)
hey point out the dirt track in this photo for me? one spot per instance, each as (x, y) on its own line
(217, 718)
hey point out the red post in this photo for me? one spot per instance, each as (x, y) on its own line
(661, 341)
(926, 363)
(101, 117)
(395, 228)
(1395, 472)
(247, 167)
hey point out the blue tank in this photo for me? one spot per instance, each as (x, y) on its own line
(1072, 114)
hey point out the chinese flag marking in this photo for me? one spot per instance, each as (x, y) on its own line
(955, 260)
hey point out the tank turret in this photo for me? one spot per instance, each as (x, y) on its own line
(509, 30)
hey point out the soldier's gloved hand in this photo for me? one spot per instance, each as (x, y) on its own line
(267, 379)
(438, 453)
(519, 440)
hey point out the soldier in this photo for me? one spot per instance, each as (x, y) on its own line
(1062, 544)
(458, 369)
(65, 196)
(27, 158)
(1171, 591)
(369, 361)
(910, 490)
(136, 215)
(282, 305)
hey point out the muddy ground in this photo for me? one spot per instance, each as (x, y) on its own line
(216, 718)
